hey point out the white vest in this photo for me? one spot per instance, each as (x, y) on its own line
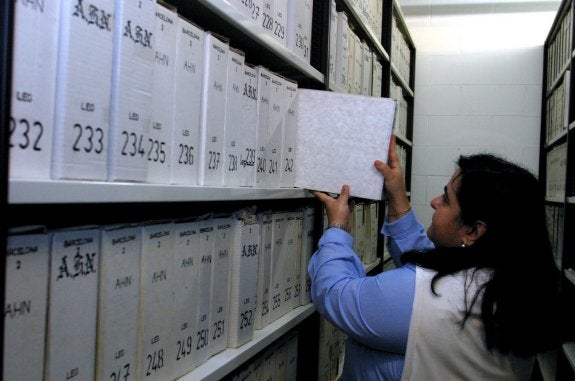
(437, 347)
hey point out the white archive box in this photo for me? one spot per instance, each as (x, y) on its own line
(26, 303)
(247, 141)
(293, 249)
(278, 265)
(213, 115)
(156, 302)
(359, 230)
(73, 302)
(131, 98)
(243, 279)
(187, 102)
(351, 39)
(118, 301)
(263, 110)
(339, 136)
(235, 124)
(288, 165)
(84, 81)
(376, 76)
(277, 107)
(33, 84)
(280, 20)
(291, 356)
(250, 9)
(307, 248)
(204, 258)
(366, 69)
(298, 30)
(342, 52)
(160, 149)
(220, 287)
(332, 40)
(262, 317)
(186, 265)
(357, 64)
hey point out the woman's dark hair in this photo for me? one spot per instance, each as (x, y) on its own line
(520, 301)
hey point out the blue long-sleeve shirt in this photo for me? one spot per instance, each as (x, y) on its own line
(374, 311)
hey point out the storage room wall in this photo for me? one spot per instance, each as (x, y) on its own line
(479, 69)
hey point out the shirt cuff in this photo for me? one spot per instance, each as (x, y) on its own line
(336, 235)
(401, 227)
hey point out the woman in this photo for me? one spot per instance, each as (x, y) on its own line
(473, 298)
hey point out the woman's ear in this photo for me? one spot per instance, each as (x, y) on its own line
(476, 231)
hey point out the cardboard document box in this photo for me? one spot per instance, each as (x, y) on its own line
(291, 356)
(339, 136)
(220, 287)
(186, 250)
(26, 304)
(251, 10)
(119, 301)
(213, 113)
(160, 143)
(276, 120)
(187, 103)
(243, 282)
(293, 246)
(307, 249)
(376, 77)
(299, 28)
(204, 258)
(234, 117)
(247, 140)
(131, 98)
(34, 54)
(280, 20)
(288, 164)
(157, 301)
(73, 303)
(357, 65)
(263, 110)
(366, 69)
(342, 52)
(279, 266)
(83, 90)
(332, 78)
(262, 317)
(359, 230)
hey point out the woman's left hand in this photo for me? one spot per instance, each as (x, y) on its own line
(338, 209)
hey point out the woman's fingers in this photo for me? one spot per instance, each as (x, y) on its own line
(325, 198)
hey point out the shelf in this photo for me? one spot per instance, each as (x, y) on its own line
(403, 139)
(245, 25)
(68, 191)
(397, 8)
(371, 266)
(556, 138)
(223, 363)
(571, 200)
(570, 274)
(404, 84)
(569, 350)
(355, 12)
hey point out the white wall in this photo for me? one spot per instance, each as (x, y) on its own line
(479, 69)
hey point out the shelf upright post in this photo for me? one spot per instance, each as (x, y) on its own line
(6, 33)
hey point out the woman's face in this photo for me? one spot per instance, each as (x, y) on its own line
(446, 228)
